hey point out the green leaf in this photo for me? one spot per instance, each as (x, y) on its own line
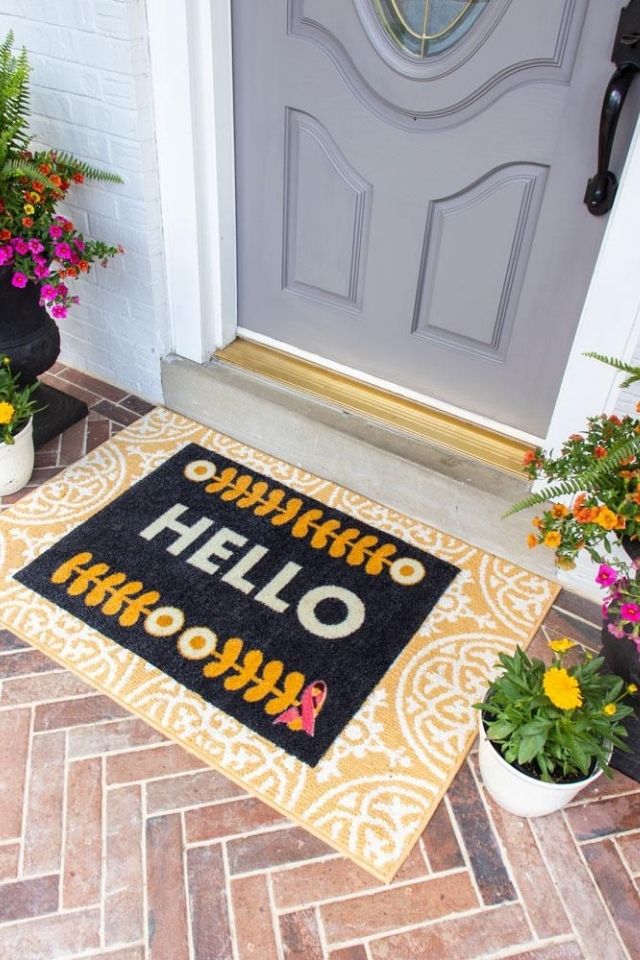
(529, 747)
(499, 730)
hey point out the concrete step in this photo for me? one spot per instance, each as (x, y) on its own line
(446, 490)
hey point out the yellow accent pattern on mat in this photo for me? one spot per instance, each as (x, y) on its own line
(375, 789)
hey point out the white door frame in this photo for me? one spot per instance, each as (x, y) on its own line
(191, 57)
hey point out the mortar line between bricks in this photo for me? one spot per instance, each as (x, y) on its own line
(100, 953)
(25, 794)
(282, 867)
(230, 910)
(187, 892)
(372, 892)
(516, 949)
(606, 836)
(275, 918)
(52, 914)
(594, 885)
(321, 933)
(103, 855)
(624, 859)
(63, 829)
(576, 804)
(65, 27)
(258, 831)
(479, 911)
(367, 951)
(503, 851)
(143, 857)
(575, 616)
(164, 811)
(37, 703)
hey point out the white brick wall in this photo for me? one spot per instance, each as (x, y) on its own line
(91, 95)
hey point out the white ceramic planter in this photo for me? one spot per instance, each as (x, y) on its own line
(16, 461)
(518, 793)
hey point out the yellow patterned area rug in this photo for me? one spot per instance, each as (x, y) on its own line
(372, 791)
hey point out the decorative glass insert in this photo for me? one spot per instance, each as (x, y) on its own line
(423, 28)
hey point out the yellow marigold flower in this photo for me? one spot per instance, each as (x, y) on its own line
(610, 709)
(553, 539)
(29, 209)
(562, 689)
(537, 521)
(606, 518)
(559, 511)
(532, 540)
(562, 644)
(632, 688)
(7, 411)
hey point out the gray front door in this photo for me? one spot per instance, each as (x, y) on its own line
(410, 176)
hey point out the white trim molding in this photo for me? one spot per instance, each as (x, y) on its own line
(190, 49)
(609, 324)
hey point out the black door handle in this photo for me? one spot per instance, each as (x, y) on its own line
(601, 188)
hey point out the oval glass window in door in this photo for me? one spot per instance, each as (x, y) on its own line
(423, 28)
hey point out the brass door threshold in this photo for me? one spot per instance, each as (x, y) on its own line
(422, 421)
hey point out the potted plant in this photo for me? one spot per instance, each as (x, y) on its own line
(547, 731)
(593, 484)
(17, 407)
(40, 249)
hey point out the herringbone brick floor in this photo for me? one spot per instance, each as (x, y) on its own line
(115, 843)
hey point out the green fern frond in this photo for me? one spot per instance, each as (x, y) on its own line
(588, 481)
(630, 368)
(91, 173)
(17, 167)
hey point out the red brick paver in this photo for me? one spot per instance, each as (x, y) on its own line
(115, 844)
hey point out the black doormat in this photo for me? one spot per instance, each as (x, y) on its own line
(277, 609)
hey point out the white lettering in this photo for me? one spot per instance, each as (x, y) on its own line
(331, 631)
(235, 574)
(269, 593)
(215, 547)
(169, 521)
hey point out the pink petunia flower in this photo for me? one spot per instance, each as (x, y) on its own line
(630, 611)
(606, 575)
(55, 231)
(19, 279)
(41, 270)
(58, 311)
(48, 291)
(615, 631)
(79, 245)
(21, 246)
(6, 255)
(36, 246)
(62, 289)
(62, 250)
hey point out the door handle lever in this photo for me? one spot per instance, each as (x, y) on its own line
(602, 187)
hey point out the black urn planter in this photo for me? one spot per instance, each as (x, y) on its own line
(31, 340)
(28, 335)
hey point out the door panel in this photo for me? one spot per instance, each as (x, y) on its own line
(420, 218)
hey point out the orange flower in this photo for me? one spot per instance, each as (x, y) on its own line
(606, 518)
(634, 497)
(614, 419)
(37, 186)
(578, 502)
(577, 437)
(620, 523)
(72, 271)
(625, 463)
(532, 541)
(62, 273)
(587, 515)
(552, 539)
(599, 452)
(45, 168)
(529, 457)
(56, 180)
(638, 406)
(83, 266)
(27, 221)
(559, 511)
(77, 177)
(537, 522)
(5, 235)
(625, 474)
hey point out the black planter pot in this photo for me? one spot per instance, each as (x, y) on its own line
(622, 658)
(28, 335)
(31, 339)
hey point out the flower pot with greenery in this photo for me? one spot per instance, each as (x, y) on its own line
(17, 407)
(547, 731)
(40, 249)
(594, 480)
